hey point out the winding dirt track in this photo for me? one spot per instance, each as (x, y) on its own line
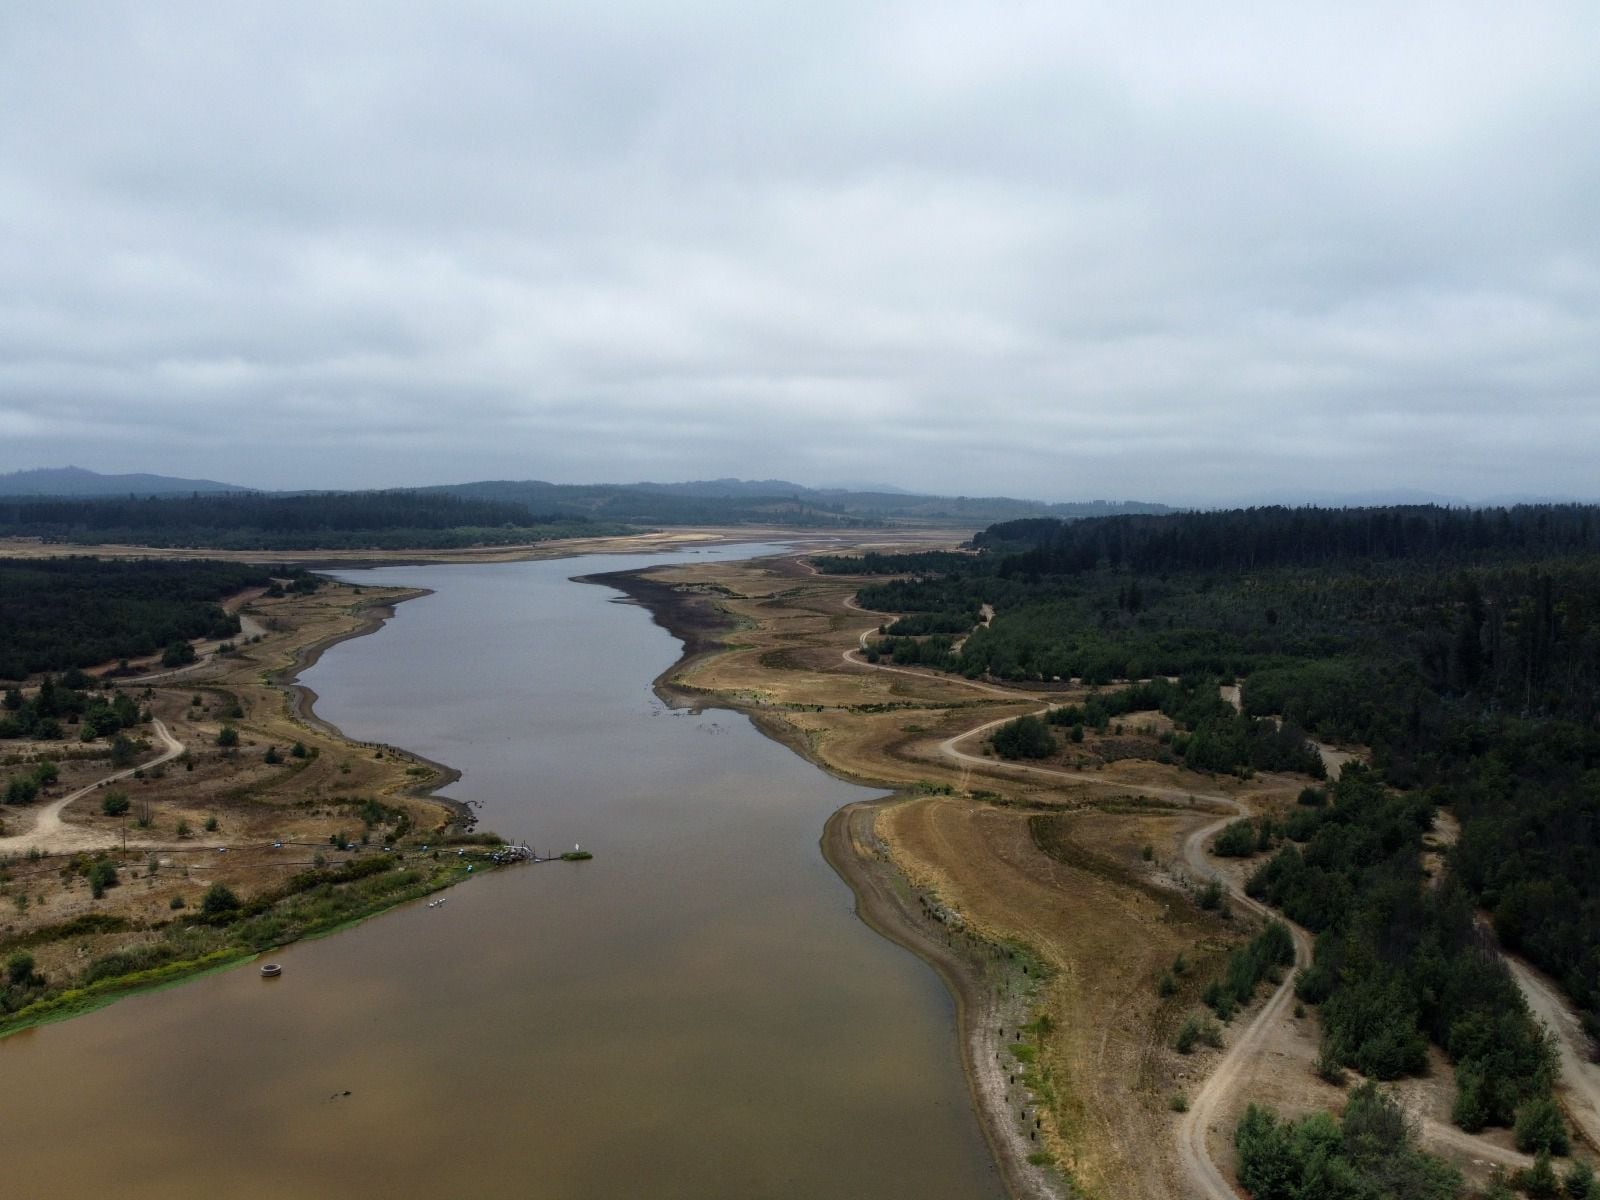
(1206, 1109)
(50, 832)
(1579, 1074)
(1204, 1112)
(249, 627)
(849, 656)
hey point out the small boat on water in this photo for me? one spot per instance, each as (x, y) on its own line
(271, 971)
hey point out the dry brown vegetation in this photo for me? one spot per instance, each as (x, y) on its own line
(214, 814)
(1076, 858)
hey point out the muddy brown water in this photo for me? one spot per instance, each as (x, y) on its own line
(694, 1013)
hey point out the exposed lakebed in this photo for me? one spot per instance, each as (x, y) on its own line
(694, 1013)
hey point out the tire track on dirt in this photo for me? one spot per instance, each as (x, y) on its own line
(1205, 1112)
(50, 832)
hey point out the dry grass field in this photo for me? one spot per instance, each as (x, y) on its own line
(1081, 859)
(249, 815)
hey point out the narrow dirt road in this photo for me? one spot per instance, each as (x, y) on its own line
(1580, 1076)
(1206, 1110)
(949, 748)
(861, 644)
(51, 833)
(1206, 1107)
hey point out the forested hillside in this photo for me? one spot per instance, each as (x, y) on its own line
(79, 506)
(325, 521)
(1462, 647)
(772, 502)
(61, 613)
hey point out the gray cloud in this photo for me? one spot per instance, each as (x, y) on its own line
(1044, 249)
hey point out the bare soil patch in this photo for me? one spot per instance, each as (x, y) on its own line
(291, 793)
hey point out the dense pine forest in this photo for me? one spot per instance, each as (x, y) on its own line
(63, 613)
(1462, 647)
(396, 520)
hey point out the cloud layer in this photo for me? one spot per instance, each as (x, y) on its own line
(1060, 250)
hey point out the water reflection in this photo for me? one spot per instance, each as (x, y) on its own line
(694, 1013)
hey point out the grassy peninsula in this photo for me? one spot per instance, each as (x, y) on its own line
(229, 820)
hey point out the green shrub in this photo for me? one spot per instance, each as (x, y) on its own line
(177, 654)
(1196, 1031)
(114, 804)
(219, 899)
(1540, 1128)
(1580, 1183)
(102, 875)
(22, 791)
(19, 968)
(1026, 737)
(1238, 840)
(1539, 1181)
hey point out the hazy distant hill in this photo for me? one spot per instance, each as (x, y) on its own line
(74, 505)
(772, 501)
(389, 520)
(725, 489)
(76, 481)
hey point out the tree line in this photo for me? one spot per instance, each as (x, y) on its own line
(1462, 647)
(61, 613)
(324, 520)
(59, 704)
(1255, 538)
(1210, 735)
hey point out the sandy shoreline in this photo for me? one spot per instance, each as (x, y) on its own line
(886, 901)
(302, 699)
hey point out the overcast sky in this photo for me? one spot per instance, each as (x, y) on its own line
(1179, 252)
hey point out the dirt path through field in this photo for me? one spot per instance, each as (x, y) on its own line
(850, 656)
(51, 833)
(1205, 1113)
(1208, 1109)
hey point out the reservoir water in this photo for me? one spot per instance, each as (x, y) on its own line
(694, 1013)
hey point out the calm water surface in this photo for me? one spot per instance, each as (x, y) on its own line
(695, 1013)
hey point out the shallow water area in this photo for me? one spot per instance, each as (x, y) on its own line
(696, 1012)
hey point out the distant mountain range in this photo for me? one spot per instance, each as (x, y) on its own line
(76, 481)
(736, 501)
(699, 502)
(772, 501)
